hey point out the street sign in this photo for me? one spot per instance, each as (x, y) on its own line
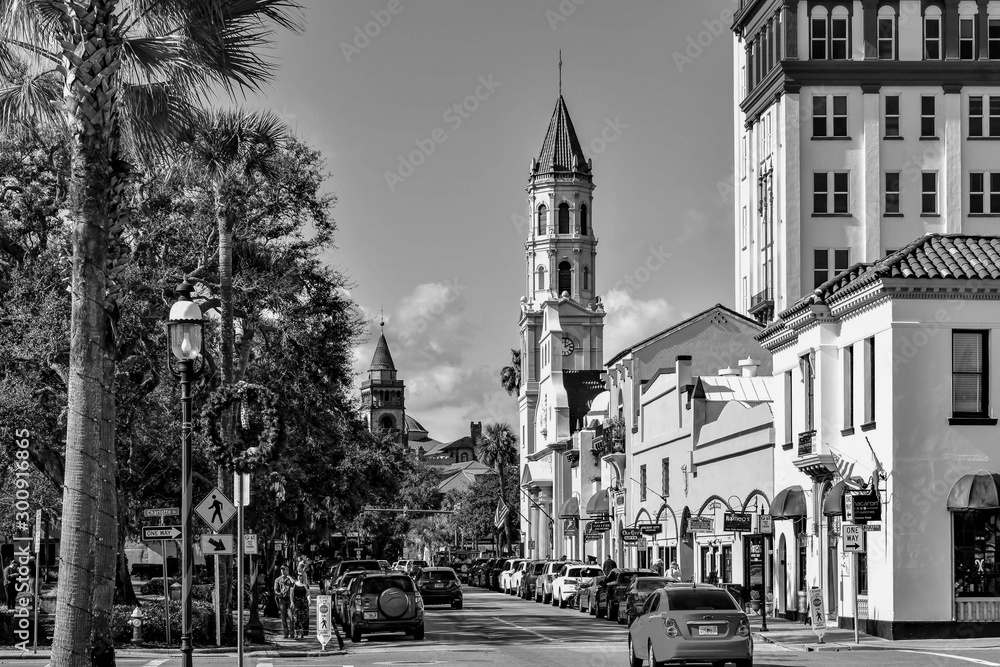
(590, 537)
(876, 527)
(161, 533)
(631, 535)
(599, 526)
(279, 545)
(531, 544)
(765, 525)
(216, 510)
(854, 538)
(246, 488)
(162, 511)
(737, 522)
(38, 533)
(250, 544)
(650, 528)
(221, 545)
(817, 611)
(324, 620)
(701, 524)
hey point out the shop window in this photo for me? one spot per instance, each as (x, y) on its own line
(706, 564)
(727, 563)
(861, 577)
(969, 374)
(975, 539)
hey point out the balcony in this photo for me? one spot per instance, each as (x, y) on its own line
(762, 305)
(807, 442)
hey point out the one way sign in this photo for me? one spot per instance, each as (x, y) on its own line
(216, 544)
(854, 538)
(150, 533)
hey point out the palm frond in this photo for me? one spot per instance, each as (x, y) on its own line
(35, 100)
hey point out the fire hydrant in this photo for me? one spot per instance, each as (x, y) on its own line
(137, 618)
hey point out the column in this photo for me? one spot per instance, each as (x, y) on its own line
(535, 518)
(542, 542)
(950, 176)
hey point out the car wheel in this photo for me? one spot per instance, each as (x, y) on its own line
(612, 612)
(562, 602)
(745, 663)
(457, 604)
(632, 660)
(653, 662)
(597, 610)
(418, 634)
(546, 599)
(583, 609)
(592, 609)
(355, 634)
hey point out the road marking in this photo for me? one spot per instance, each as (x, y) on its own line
(515, 625)
(157, 663)
(956, 657)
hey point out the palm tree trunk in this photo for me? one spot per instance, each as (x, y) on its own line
(102, 641)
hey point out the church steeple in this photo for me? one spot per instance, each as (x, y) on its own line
(561, 149)
(382, 394)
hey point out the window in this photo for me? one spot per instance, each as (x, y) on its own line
(822, 192)
(817, 39)
(825, 124)
(586, 277)
(977, 113)
(822, 260)
(809, 390)
(969, 379)
(928, 193)
(583, 220)
(642, 482)
(665, 476)
(727, 563)
(540, 278)
(861, 580)
(981, 199)
(967, 37)
(743, 228)
(892, 192)
(788, 407)
(932, 34)
(977, 571)
(542, 219)
(564, 218)
(848, 356)
(743, 158)
(869, 380)
(892, 115)
(886, 33)
(927, 117)
(565, 277)
(838, 38)
(993, 39)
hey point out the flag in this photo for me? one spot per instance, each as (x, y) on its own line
(844, 467)
(880, 472)
(501, 514)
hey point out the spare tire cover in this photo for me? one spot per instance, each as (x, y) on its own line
(393, 602)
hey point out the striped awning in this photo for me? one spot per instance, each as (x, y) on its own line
(598, 504)
(570, 509)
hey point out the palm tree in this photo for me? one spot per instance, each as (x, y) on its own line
(111, 75)
(497, 448)
(510, 376)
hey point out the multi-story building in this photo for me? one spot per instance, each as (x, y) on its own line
(860, 125)
(383, 396)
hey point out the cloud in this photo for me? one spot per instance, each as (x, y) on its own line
(630, 320)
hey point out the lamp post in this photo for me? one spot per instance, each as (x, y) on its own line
(184, 332)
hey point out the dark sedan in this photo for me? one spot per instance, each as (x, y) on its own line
(611, 594)
(440, 585)
(587, 595)
(636, 594)
(526, 590)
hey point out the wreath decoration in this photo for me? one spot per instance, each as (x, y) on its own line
(255, 434)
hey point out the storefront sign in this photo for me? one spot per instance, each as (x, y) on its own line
(592, 537)
(599, 526)
(630, 535)
(736, 522)
(699, 524)
(570, 532)
(765, 525)
(641, 543)
(531, 544)
(756, 553)
(876, 527)
(650, 528)
(862, 506)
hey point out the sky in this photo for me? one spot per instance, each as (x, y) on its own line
(428, 113)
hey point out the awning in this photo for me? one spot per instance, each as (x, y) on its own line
(978, 491)
(598, 503)
(789, 504)
(570, 509)
(834, 503)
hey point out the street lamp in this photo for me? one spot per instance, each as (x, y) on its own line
(184, 332)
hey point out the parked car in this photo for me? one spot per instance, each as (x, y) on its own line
(341, 594)
(611, 595)
(543, 584)
(526, 590)
(386, 603)
(475, 569)
(586, 594)
(636, 594)
(688, 622)
(514, 577)
(440, 585)
(348, 565)
(413, 565)
(498, 568)
(564, 586)
(481, 573)
(384, 564)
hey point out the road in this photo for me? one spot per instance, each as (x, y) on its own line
(495, 629)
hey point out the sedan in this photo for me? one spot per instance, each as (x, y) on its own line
(440, 585)
(514, 582)
(636, 594)
(690, 623)
(564, 586)
(586, 595)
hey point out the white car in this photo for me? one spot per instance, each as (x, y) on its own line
(517, 576)
(543, 584)
(565, 585)
(505, 575)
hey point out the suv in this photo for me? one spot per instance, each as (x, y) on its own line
(348, 565)
(613, 590)
(440, 585)
(543, 583)
(526, 591)
(386, 603)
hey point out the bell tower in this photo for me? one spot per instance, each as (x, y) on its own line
(382, 394)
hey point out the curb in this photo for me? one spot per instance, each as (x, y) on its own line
(153, 653)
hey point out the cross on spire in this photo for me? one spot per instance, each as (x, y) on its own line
(560, 72)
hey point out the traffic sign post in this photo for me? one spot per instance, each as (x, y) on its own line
(217, 545)
(817, 612)
(163, 513)
(216, 510)
(324, 619)
(854, 543)
(250, 544)
(150, 533)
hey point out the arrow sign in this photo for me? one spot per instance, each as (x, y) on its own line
(217, 544)
(160, 533)
(854, 538)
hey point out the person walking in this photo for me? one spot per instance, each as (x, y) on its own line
(304, 568)
(658, 566)
(283, 596)
(674, 572)
(300, 606)
(609, 565)
(10, 582)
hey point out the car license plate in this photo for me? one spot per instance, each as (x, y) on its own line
(371, 615)
(708, 630)
(438, 585)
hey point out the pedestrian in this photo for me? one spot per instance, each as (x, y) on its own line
(283, 596)
(658, 566)
(674, 572)
(609, 565)
(300, 606)
(10, 582)
(304, 567)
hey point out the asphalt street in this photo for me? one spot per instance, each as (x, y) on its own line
(495, 629)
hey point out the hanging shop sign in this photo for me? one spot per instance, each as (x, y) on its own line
(631, 535)
(701, 524)
(650, 527)
(737, 522)
(592, 537)
(599, 526)
(862, 506)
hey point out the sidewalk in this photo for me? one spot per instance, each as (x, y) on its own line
(800, 637)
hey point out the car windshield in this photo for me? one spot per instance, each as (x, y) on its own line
(647, 584)
(691, 599)
(439, 575)
(378, 585)
(584, 572)
(360, 565)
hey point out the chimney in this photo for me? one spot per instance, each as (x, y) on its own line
(683, 365)
(476, 431)
(729, 371)
(749, 367)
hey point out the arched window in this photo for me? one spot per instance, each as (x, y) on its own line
(540, 278)
(565, 277)
(583, 220)
(932, 33)
(386, 423)
(886, 33)
(543, 215)
(586, 277)
(465, 456)
(564, 218)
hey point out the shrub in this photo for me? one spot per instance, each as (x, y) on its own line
(154, 627)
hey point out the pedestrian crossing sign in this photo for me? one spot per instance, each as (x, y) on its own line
(216, 509)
